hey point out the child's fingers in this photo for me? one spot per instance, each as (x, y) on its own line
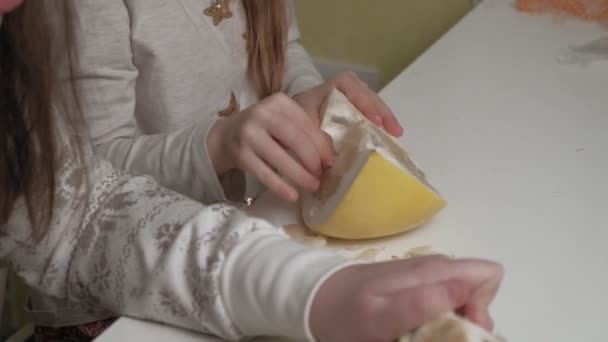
(399, 275)
(477, 307)
(407, 311)
(479, 316)
(254, 164)
(368, 102)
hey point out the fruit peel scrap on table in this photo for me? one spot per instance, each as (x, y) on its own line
(451, 328)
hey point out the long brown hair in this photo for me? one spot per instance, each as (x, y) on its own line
(266, 43)
(30, 94)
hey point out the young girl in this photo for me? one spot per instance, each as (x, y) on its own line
(94, 243)
(157, 75)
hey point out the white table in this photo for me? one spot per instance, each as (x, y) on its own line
(518, 144)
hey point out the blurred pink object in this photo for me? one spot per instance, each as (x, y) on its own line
(593, 10)
(8, 5)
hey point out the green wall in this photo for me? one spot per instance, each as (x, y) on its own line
(383, 34)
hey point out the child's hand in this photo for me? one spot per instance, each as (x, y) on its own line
(257, 139)
(382, 302)
(358, 93)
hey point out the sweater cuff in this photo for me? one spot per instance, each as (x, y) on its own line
(269, 283)
(303, 83)
(228, 188)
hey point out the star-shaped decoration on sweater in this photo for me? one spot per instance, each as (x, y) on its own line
(232, 108)
(219, 10)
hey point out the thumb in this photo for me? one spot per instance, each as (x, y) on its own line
(408, 310)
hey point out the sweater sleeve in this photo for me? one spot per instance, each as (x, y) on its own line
(132, 248)
(106, 79)
(300, 72)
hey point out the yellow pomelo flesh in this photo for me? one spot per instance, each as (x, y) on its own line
(383, 200)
